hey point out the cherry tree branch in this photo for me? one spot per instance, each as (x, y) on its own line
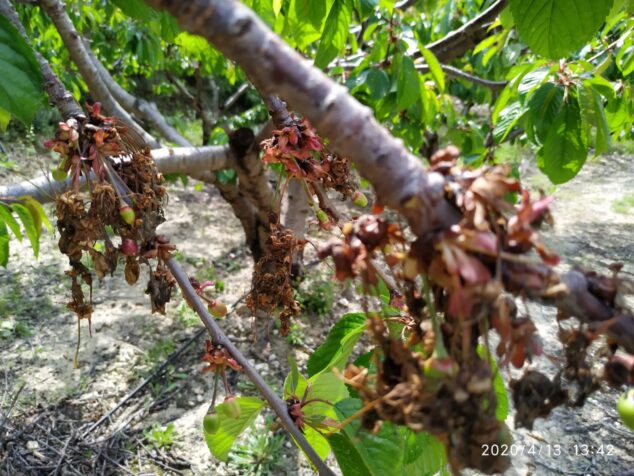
(219, 337)
(458, 73)
(459, 41)
(72, 40)
(186, 160)
(275, 68)
(399, 178)
(140, 107)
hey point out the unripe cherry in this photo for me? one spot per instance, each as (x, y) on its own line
(129, 247)
(127, 213)
(217, 308)
(322, 216)
(231, 407)
(211, 423)
(359, 199)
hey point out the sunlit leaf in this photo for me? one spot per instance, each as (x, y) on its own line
(338, 345)
(32, 232)
(564, 151)
(434, 68)
(221, 441)
(7, 217)
(335, 32)
(4, 244)
(556, 28)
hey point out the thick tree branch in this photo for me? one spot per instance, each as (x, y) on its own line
(458, 42)
(140, 107)
(88, 70)
(399, 178)
(186, 160)
(353, 132)
(56, 91)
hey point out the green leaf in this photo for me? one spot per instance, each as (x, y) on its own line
(424, 454)
(507, 119)
(264, 9)
(335, 32)
(21, 93)
(366, 7)
(326, 387)
(136, 9)
(5, 117)
(434, 68)
(378, 83)
(338, 345)
(543, 105)
(32, 232)
(388, 4)
(312, 10)
(555, 28)
(564, 152)
(380, 454)
(37, 212)
(408, 84)
(7, 217)
(593, 116)
(4, 245)
(221, 441)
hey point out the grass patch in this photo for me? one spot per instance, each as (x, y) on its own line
(624, 205)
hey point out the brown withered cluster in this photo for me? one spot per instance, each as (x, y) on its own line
(434, 378)
(122, 202)
(271, 286)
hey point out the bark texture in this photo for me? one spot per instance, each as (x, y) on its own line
(142, 108)
(186, 160)
(398, 176)
(461, 40)
(88, 70)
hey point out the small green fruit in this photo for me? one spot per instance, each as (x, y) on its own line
(127, 214)
(217, 308)
(322, 216)
(359, 199)
(211, 423)
(231, 407)
(625, 407)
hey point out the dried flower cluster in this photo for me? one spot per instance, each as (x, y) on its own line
(123, 200)
(431, 376)
(271, 287)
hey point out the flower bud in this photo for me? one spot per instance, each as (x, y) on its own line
(322, 216)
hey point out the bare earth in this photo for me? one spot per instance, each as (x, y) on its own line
(58, 403)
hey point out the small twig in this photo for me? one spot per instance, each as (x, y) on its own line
(231, 100)
(611, 45)
(219, 337)
(63, 455)
(159, 370)
(12, 404)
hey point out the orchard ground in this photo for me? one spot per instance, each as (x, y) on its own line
(594, 226)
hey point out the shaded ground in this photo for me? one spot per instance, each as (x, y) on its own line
(57, 404)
